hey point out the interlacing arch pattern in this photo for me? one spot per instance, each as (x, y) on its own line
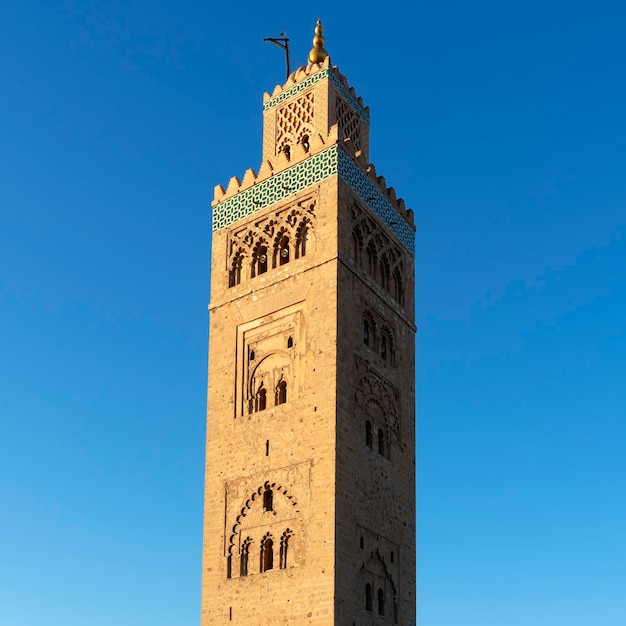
(379, 337)
(241, 541)
(375, 253)
(349, 123)
(380, 595)
(294, 123)
(376, 408)
(270, 243)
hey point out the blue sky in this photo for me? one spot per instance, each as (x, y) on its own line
(501, 124)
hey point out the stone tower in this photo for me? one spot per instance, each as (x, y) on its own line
(310, 472)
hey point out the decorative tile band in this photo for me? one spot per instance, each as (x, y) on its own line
(275, 189)
(370, 194)
(311, 80)
(310, 172)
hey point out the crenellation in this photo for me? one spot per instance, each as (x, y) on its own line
(249, 178)
(309, 490)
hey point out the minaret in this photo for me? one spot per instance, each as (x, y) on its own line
(310, 471)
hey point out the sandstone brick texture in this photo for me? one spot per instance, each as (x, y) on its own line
(310, 453)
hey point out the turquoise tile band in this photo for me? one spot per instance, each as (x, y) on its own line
(311, 80)
(310, 172)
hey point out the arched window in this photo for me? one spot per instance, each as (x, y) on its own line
(267, 554)
(268, 500)
(245, 552)
(370, 259)
(381, 602)
(283, 251)
(234, 275)
(284, 548)
(290, 342)
(287, 151)
(302, 237)
(396, 286)
(368, 597)
(261, 399)
(356, 245)
(383, 347)
(381, 441)
(281, 392)
(383, 273)
(368, 434)
(259, 264)
(367, 331)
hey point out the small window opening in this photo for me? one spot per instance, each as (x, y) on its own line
(290, 342)
(383, 347)
(245, 551)
(368, 434)
(281, 392)
(305, 143)
(392, 556)
(283, 251)
(362, 543)
(268, 500)
(229, 566)
(252, 355)
(262, 261)
(381, 442)
(366, 332)
(302, 239)
(230, 614)
(287, 151)
(368, 597)
(267, 555)
(261, 399)
(284, 549)
(371, 262)
(234, 276)
(381, 602)
(267, 452)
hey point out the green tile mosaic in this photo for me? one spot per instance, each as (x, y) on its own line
(312, 80)
(310, 172)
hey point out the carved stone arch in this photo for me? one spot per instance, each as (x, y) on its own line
(356, 244)
(269, 370)
(236, 265)
(259, 262)
(304, 135)
(286, 549)
(387, 345)
(370, 330)
(282, 246)
(252, 235)
(251, 514)
(371, 388)
(371, 258)
(304, 233)
(270, 226)
(286, 144)
(396, 285)
(384, 270)
(372, 578)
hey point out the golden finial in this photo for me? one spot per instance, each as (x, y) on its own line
(318, 54)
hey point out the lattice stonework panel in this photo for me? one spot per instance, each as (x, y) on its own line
(304, 174)
(294, 120)
(312, 80)
(349, 122)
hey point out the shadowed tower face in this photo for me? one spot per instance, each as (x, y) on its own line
(310, 472)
